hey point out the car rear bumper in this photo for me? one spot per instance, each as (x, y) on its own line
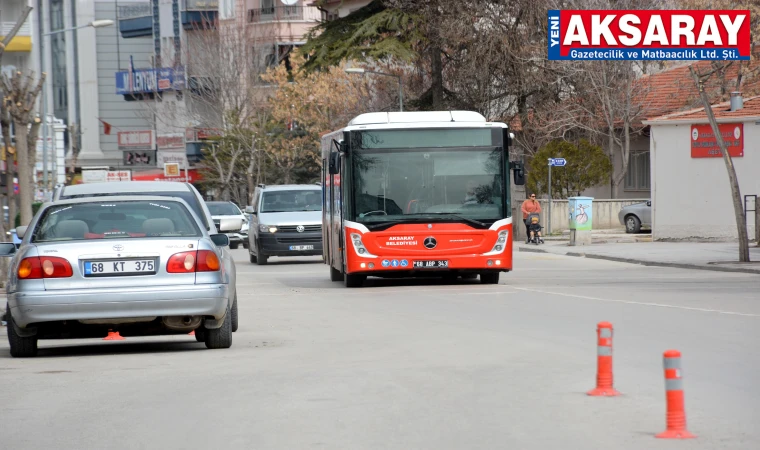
(55, 305)
(280, 244)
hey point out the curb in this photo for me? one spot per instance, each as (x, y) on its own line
(646, 263)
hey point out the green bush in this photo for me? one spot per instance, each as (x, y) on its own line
(35, 208)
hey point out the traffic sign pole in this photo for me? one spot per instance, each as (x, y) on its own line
(549, 212)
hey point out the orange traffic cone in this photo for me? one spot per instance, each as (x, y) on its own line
(113, 336)
(604, 383)
(192, 333)
(675, 418)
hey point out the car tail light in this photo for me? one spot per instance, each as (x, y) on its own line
(36, 267)
(188, 262)
(207, 261)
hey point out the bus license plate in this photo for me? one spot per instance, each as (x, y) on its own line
(302, 247)
(119, 267)
(436, 264)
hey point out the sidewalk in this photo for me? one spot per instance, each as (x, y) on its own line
(717, 256)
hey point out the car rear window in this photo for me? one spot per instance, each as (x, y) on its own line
(187, 196)
(115, 220)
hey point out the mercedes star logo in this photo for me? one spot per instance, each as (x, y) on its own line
(118, 247)
(300, 228)
(429, 243)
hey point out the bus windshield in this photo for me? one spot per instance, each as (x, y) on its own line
(428, 184)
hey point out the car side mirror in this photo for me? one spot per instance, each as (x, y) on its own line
(7, 249)
(334, 163)
(226, 225)
(518, 173)
(21, 231)
(249, 210)
(220, 240)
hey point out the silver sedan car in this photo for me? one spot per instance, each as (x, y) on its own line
(133, 265)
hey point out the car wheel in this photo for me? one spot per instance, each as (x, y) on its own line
(200, 334)
(335, 274)
(245, 245)
(234, 246)
(632, 224)
(353, 281)
(21, 347)
(261, 259)
(489, 278)
(222, 336)
(234, 314)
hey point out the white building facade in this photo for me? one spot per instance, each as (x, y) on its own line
(691, 193)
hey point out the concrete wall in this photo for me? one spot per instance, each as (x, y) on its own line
(691, 197)
(605, 214)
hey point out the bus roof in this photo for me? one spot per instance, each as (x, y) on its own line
(420, 119)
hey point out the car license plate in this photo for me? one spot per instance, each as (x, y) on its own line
(435, 264)
(302, 247)
(119, 267)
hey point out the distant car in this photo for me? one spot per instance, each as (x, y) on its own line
(286, 221)
(140, 265)
(229, 210)
(637, 216)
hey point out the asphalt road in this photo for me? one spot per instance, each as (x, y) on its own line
(411, 365)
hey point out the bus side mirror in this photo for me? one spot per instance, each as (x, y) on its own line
(334, 163)
(518, 173)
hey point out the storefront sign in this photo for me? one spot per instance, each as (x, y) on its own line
(704, 144)
(166, 141)
(136, 140)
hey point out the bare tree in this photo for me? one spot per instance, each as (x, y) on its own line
(741, 220)
(21, 96)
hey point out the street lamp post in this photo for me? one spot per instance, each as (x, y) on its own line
(93, 24)
(400, 82)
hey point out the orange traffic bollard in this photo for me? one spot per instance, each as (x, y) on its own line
(603, 362)
(113, 336)
(192, 333)
(676, 414)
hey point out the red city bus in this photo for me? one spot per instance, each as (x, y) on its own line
(418, 194)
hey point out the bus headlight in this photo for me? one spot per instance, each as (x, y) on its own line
(501, 243)
(359, 247)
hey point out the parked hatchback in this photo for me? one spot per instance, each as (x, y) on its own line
(637, 216)
(286, 220)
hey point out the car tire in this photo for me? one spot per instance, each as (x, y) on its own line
(233, 246)
(353, 281)
(489, 278)
(245, 245)
(335, 274)
(200, 334)
(251, 257)
(222, 336)
(21, 347)
(261, 259)
(234, 314)
(632, 224)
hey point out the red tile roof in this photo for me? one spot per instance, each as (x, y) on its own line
(751, 108)
(674, 90)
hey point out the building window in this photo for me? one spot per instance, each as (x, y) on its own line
(58, 60)
(267, 7)
(227, 9)
(637, 176)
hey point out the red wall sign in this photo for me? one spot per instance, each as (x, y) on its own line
(704, 144)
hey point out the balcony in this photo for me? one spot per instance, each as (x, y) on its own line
(22, 42)
(137, 20)
(283, 14)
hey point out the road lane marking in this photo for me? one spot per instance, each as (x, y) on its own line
(630, 302)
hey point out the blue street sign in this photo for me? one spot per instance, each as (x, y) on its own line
(559, 162)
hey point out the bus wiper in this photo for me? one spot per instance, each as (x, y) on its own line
(466, 219)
